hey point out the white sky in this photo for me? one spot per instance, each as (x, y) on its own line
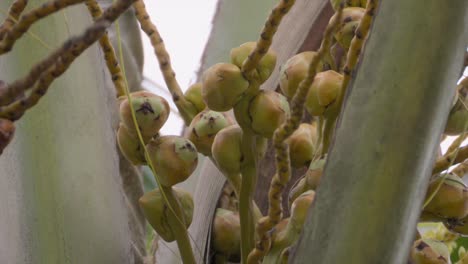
(184, 27)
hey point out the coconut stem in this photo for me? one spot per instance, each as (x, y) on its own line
(187, 110)
(109, 52)
(249, 179)
(177, 223)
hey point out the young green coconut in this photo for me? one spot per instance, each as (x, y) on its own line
(223, 85)
(349, 22)
(225, 234)
(429, 251)
(310, 180)
(295, 70)
(204, 128)
(174, 159)
(302, 145)
(264, 68)
(151, 112)
(227, 153)
(194, 96)
(291, 232)
(451, 200)
(324, 91)
(267, 111)
(156, 211)
(130, 146)
(458, 116)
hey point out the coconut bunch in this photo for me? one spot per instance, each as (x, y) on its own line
(173, 158)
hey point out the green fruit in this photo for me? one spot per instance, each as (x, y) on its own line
(223, 86)
(226, 233)
(130, 146)
(299, 209)
(226, 150)
(204, 127)
(264, 68)
(451, 200)
(348, 24)
(7, 130)
(324, 92)
(429, 251)
(174, 159)
(457, 120)
(295, 70)
(194, 96)
(268, 110)
(151, 113)
(157, 212)
(302, 145)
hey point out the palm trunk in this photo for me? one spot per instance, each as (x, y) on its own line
(378, 169)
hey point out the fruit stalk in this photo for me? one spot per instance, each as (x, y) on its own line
(249, 179)
(266, 37)
(445, 162)
(356, 46)
(186, 109)
(178, 227)
(73, 48)
(109, 52)
(74, 45)
(283, 168)
(14, 12)
(29, 18)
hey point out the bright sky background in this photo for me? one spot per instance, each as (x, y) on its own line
(184, 27)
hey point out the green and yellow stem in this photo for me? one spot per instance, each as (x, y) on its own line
(456, 143)
(328, 128)
(187, 110)
(445, 162)
(283, 167)
(356, 47)
(29, 18)
(13, 14)
(109, 52)
(248, 183)
(177, 224)
(266, 37)
(75, 47)
(461, 169)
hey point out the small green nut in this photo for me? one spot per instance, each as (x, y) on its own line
(268, 110)
(226, 233)
(265, 66)
(429, 251)
(130, 146)
(157, 212)
(151, 112)
(204, 127)
(226, 150)
(174, 159)
(299, 209)
(324, 91)
(223, 85)
(194, 96)
(457, 120)
(302, 145)
(295, 70)
(451, 200)
(349, 22)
